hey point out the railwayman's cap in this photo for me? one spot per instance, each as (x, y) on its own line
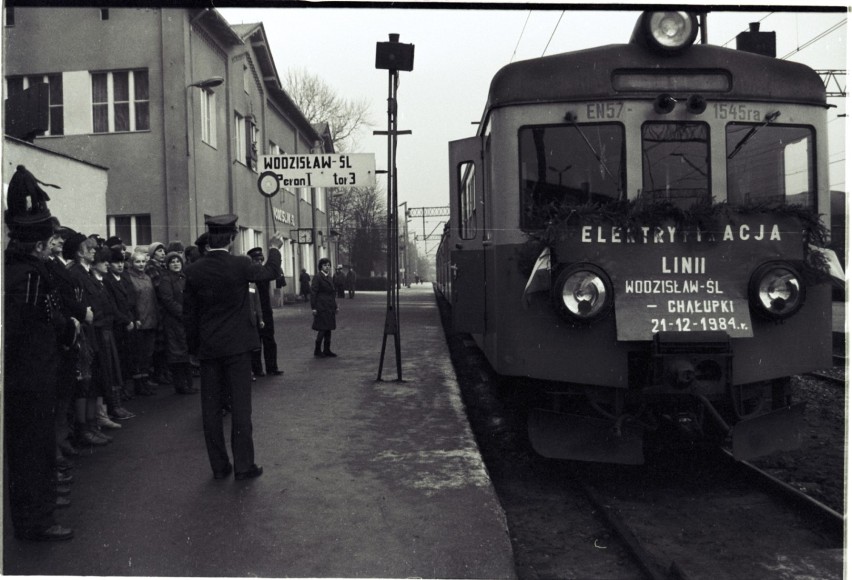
(222, 224)
(113, 241)
(255, 253)
(31, 227)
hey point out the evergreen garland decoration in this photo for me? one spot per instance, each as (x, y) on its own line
(630, 215)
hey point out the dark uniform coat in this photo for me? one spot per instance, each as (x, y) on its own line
(324, 301)
(216, 307)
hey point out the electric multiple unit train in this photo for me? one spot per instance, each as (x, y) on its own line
(637, 233)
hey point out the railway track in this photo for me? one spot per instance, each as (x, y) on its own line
(578, 520)
(715, 518)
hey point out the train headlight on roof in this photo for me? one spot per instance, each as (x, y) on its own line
(776, 291)
(667, 31)
(582, 293)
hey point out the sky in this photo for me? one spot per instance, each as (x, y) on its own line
(458, 51)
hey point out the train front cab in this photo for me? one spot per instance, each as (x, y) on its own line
(698, 323)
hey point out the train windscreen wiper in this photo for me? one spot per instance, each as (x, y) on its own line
(768, 119)
(571, 118)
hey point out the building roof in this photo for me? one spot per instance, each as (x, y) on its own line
(254, 35)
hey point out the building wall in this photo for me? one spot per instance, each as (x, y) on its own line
(167, 171)
(80, 203)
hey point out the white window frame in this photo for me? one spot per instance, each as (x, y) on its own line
(208, 117)
(110, 102)
(240, 136)
(27, 82)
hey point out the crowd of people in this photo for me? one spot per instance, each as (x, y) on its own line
(91, 324)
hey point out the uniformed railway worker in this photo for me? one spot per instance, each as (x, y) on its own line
(219, 331)
(267, 330)
(34, 326)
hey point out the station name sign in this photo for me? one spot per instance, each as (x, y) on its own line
(321, 170)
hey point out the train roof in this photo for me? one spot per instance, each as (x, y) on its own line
(587, 75)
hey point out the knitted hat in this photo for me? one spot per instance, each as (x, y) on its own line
(171, 255)
(153, 247)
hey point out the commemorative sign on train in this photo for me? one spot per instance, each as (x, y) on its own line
(683, 279)
(315, 170)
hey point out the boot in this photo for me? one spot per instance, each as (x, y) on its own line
(327, 350)
(318, 349)
(186, 369)
(116, 411)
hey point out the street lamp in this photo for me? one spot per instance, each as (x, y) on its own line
(206, 85)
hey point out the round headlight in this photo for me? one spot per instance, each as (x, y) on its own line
(669, 30)
(776, 291)
(582, 293)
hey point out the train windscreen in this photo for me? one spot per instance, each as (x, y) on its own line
(770, 164)
(569, 164)
(676, 163)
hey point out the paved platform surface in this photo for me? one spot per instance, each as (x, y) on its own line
(362, 479)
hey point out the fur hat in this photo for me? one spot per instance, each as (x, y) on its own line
(175, 246)
(72, 245)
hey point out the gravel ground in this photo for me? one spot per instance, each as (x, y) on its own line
(818, 467)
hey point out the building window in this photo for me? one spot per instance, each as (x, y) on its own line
(274, 149)
(15, 85)
(240, 135)
(120, 101)
(104, 13)
(246, 79)
(10, 16)
(208, 117)
(134, 230)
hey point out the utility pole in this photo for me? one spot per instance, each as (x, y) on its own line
(394, 57)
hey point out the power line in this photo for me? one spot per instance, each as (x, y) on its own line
(552, 33)
(815, 39)
(521, 36)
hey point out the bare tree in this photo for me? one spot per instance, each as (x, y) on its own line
(320, 103)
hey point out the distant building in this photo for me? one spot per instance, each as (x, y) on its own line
(178, 105)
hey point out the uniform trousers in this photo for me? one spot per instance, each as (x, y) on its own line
(219, 376)
(31, 458)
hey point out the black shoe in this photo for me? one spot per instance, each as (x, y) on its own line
(319, 354)
(328, 353)
(224, 473)
(54, 533)
(260, 374)
(67, 449)
(253, 472)
(275, 373)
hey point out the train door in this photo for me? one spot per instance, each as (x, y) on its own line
(467, 260)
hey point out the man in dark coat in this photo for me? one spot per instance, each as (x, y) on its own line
(324, 308)
(339, 280)
(34, 327)
(220, 332)
(267, 329)
(351, 277)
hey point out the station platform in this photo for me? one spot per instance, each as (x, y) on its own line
(362, 478)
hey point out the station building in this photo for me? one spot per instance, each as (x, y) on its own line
(178, 105)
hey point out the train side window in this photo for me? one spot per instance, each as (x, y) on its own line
(773, 164)
(467, 200)
(676, 163)
(569, 164)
